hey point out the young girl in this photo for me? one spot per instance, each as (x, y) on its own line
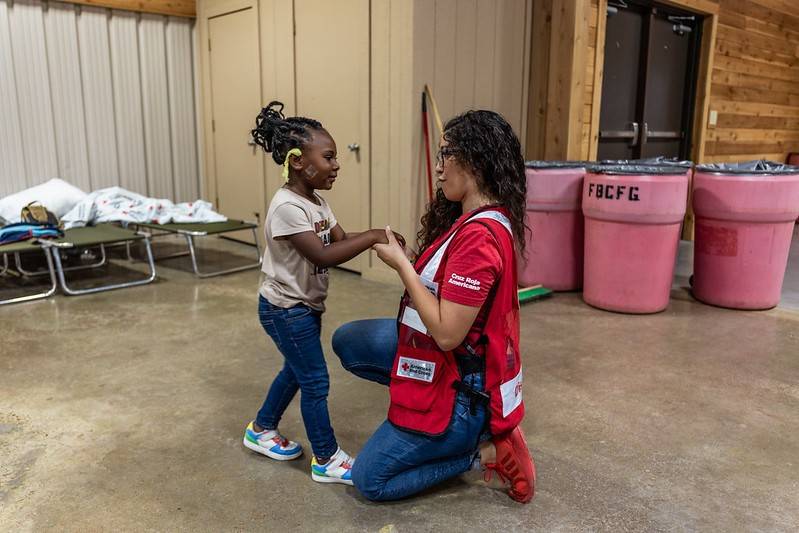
(303, 240)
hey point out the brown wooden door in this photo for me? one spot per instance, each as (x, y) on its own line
(649, 80)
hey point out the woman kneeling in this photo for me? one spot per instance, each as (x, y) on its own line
(452, 359)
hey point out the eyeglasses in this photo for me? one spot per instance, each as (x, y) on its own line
(444, 151)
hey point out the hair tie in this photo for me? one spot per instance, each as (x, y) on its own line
(293, 151)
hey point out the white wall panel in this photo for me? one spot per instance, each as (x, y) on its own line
(95, 65)
(12, 162)
(33, 91)
(181, 108)
(123, 31)
(509, 71)
(98, 98)
(486, 35)
(66, 90)
(152, 49)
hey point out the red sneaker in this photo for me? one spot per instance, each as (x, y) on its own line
(514, 466)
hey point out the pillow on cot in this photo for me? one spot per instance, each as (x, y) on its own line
(56, 195)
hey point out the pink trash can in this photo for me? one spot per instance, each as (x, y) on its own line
(554, 251)
(633, 215)
(745, 213)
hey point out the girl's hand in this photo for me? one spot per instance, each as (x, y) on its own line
(392, 254)
(380, 237)
(400, 240)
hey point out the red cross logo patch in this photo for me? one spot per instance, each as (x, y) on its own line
(418, 369)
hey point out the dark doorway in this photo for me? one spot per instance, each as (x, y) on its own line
(649, 82)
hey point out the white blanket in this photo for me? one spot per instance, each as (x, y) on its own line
(116, 204)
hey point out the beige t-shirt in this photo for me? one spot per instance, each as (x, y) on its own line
(290, 278)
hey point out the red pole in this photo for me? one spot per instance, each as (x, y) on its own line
(427, 148)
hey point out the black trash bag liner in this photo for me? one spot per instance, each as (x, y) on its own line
(638, 170)
(653, 161)
(543, 165)
(760, 167)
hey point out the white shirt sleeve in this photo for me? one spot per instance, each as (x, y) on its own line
(290, 219)
(328, 212)
(333, 221)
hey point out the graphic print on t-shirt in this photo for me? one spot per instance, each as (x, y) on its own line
(322, 229)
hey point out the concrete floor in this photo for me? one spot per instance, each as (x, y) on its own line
(124, 412)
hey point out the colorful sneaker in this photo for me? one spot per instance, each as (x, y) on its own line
(337, 470)
(514, 466)
(271, 444)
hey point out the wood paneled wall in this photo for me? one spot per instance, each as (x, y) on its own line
(755, 81)
(177, 8)
(593, 93)
(560, 60)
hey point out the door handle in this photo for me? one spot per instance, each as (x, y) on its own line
(644, 134)
(354, 147)
(652, 134)
(622, 134)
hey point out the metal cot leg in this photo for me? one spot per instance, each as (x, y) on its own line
(24, 272)
(77, 292)
(40, 295)
(193, 254)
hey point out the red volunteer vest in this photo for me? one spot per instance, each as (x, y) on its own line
(421, 389)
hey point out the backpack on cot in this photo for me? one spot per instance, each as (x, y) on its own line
(35, 213)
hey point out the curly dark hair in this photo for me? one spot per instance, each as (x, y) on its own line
(277, 134)
(484, 142)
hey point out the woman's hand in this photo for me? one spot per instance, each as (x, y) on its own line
(392, 253)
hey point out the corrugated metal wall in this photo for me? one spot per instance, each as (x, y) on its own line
(97, 97)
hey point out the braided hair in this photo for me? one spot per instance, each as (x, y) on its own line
(484, 142)
(277, 134)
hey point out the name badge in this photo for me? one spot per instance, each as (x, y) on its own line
(410, 317)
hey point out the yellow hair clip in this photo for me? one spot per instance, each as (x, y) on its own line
(293, 151)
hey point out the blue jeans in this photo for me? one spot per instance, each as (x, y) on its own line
(395, 463)
(296, 331)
